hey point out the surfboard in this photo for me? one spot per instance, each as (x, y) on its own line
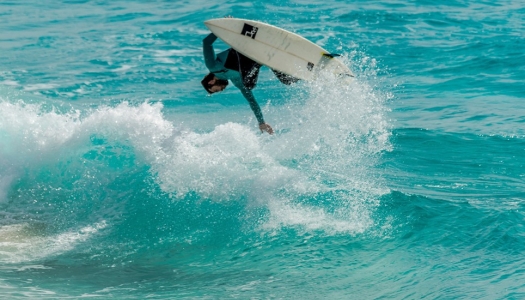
(277, 48)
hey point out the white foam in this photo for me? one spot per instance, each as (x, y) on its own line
(29, 136)
(123, 68)
(308, 218)
(330, 139)
(223, 164)
(24, 243)
(40, 86)
(29, 132)
(177, 52)
(31, 124)
(10, 83)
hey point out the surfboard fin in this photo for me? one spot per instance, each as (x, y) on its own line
(331, 55)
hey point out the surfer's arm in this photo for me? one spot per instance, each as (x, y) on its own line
(251, 100)
(254, 106)
(209, 52)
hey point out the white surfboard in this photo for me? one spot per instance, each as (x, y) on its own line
(277, 48)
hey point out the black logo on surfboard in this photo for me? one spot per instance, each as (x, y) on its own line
(249, 30)
(310, 66)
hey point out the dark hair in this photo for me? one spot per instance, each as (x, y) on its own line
(205, 82)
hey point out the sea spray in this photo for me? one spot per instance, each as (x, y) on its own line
(334, 138)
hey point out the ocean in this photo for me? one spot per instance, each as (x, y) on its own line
(121, 178)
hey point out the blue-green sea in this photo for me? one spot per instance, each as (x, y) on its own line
(121, 178)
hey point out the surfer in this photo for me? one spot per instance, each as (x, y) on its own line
(239, 69)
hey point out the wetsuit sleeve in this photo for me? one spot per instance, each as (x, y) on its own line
(209, 52)
(251, 100)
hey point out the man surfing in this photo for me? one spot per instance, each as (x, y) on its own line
(240, 70)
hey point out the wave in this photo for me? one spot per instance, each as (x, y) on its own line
(76, 169)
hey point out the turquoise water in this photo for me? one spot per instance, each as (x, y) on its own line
(120, 178)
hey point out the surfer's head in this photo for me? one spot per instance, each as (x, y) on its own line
(213, 84)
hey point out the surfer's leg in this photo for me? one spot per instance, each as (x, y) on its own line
(249, 70)
(284, 78)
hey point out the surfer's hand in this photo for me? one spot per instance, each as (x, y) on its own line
(266, 127)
